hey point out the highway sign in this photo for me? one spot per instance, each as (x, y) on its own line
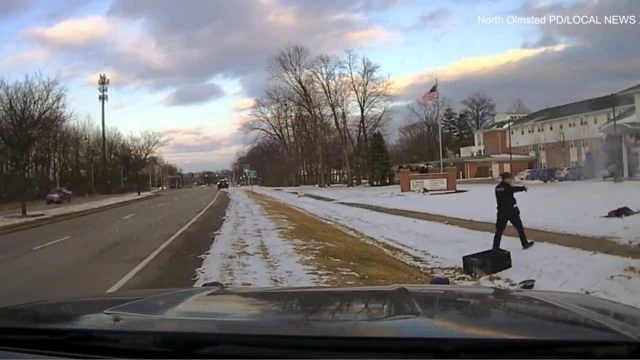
(252, 174)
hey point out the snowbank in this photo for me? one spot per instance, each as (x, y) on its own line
(569, 207)
(553, 267)
(248, 250)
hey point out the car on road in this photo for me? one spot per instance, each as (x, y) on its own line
(223, 184)
(58, 196)
(397, 321)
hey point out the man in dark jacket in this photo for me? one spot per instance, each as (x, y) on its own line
(508, 210)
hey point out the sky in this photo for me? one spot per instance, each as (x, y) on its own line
(191, 68)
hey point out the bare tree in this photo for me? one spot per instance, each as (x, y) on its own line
(372, 98)
(30, 110)
(291, 68)
(518, 107)
(480, 109)
(141, 148)
(330, 77)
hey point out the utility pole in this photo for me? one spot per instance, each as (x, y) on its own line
(103, 89)
(510, 148)
(615, 128)
(564, 150)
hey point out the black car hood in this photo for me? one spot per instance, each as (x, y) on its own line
(427, 311)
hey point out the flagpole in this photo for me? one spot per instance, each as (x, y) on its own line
(439, 124)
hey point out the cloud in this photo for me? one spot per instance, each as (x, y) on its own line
(434, 19)
(194, 94)
(164, 45)
(13, 7)
(243, 104)
(73, 33)
(560, 63)
(465, 68)
(18, 60)
(200, 148)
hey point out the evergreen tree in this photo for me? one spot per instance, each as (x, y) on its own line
(450, 130)
(464, 125)
(450, 123)
(380, 161)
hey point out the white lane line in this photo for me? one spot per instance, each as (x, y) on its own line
(51, 243)
(157, 251)
(160, 204)
(128, 216)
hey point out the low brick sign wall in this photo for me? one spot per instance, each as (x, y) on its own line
(413, 181)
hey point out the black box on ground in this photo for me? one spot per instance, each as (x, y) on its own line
(486, 262)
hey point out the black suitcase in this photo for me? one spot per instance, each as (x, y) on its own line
(486, 262)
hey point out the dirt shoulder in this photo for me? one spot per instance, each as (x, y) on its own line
(340, 256)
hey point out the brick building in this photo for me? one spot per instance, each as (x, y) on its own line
(490, 155)
(563, 135)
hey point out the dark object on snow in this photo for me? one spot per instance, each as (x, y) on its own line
(213, 284)
(440, 281)
(424, 190)
(621, 212)
(527, 284)
(486, 262)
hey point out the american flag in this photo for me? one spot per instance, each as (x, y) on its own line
(431, 94)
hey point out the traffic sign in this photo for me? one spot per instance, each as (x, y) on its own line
(253, 174)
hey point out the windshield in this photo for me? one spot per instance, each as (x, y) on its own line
(268, 144)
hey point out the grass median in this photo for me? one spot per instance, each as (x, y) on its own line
(340, 257)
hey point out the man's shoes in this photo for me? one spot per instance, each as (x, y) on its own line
(528, 245)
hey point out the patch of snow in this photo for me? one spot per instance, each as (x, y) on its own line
(248, 250)
(442, 246)
(574, 207)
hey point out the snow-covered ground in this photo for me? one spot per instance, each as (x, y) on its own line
(248, 250)
(442, 246)
(569, 207)
(61, 210)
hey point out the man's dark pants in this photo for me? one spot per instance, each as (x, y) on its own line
(504, 217)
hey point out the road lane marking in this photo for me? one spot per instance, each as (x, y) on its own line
(157, 251)
(128, 216)
(51, 243)
(160, 204)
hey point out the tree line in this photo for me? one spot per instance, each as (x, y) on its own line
(43, 145)
(325, 119)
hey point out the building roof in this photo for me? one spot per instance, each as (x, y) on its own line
(495, 125)
(633, 89)
(575, 108)
(485, 158)
(626, 121)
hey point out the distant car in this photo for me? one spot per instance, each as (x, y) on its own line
(548, 175)
(523, 175)
(223, 184)
(58, 196)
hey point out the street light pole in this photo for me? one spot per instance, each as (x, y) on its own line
(510, 148)
(103, 89)
(564, 151)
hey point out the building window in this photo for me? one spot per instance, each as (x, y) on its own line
(511, 132)
(522, 132)
(550, 127)
(595, 120)
(561, 126)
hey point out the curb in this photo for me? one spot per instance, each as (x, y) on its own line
(7, 229)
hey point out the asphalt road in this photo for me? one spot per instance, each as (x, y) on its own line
(90, 254)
